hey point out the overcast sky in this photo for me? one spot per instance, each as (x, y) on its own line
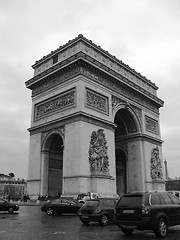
(145, 34)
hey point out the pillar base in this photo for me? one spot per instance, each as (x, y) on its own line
(104, 185)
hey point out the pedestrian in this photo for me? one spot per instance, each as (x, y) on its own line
(9, 198)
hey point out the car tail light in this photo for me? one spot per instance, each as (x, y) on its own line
(145, 210)
(97, 210)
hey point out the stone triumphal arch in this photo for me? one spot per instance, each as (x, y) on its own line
(94, 126)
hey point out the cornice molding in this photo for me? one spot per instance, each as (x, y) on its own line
(81, 38)
(78, 116)
(83, 48)
(115, 83)
(140, 137)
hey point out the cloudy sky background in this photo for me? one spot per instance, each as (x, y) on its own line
(145, 34)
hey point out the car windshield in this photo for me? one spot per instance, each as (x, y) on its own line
(90, 203)
(130, 201)
(57, 201)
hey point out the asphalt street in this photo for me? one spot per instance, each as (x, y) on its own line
(32, 224)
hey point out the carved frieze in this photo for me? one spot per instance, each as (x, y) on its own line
(58, 103)
(156, 165)
(151, 125)
(123, 90)
(98, 157)
(45, 85)
(114, 86)
(97, 101)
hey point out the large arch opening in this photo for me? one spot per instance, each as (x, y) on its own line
(55, 171)
(121, 182)
(126, 127)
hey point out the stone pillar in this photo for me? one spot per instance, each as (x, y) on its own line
(166, 170)
(44, 173)
(78, 176)
(135, 167)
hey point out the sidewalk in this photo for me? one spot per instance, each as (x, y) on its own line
(29, 203)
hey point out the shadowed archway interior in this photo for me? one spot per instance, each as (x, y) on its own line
(55, 173)
(121, 172)
(125, 123)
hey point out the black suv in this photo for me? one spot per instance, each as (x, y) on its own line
(148, 211)
(100, 210)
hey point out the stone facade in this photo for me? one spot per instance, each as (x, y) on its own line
(103, 115)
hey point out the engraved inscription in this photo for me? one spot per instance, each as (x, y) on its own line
(97, 101)
(58, 103)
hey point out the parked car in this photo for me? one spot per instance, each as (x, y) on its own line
(100, 210)
(61, 206)
(176, 193)
(8, 206)
(148, 211)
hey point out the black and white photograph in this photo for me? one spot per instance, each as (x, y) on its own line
(89, 119)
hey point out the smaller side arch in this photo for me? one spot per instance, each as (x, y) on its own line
(52, 162)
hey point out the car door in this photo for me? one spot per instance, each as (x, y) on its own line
(66, 206)
(73, 207)
(57, 205)
(169, 208)
(3, 205)
(176, 206)
(110, 205)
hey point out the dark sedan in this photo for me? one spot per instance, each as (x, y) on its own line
(61, 206)
(8, 206)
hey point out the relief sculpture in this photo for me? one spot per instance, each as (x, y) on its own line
(97, 101)
(98, 158)
(59, 103)
(156, 165)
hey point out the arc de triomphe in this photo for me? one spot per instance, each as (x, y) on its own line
(94, 126)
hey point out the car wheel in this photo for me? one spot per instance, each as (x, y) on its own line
(127, 231)
(50, 211)
(10, 210)
(161, 229)
(85, 222)
(104, 220)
